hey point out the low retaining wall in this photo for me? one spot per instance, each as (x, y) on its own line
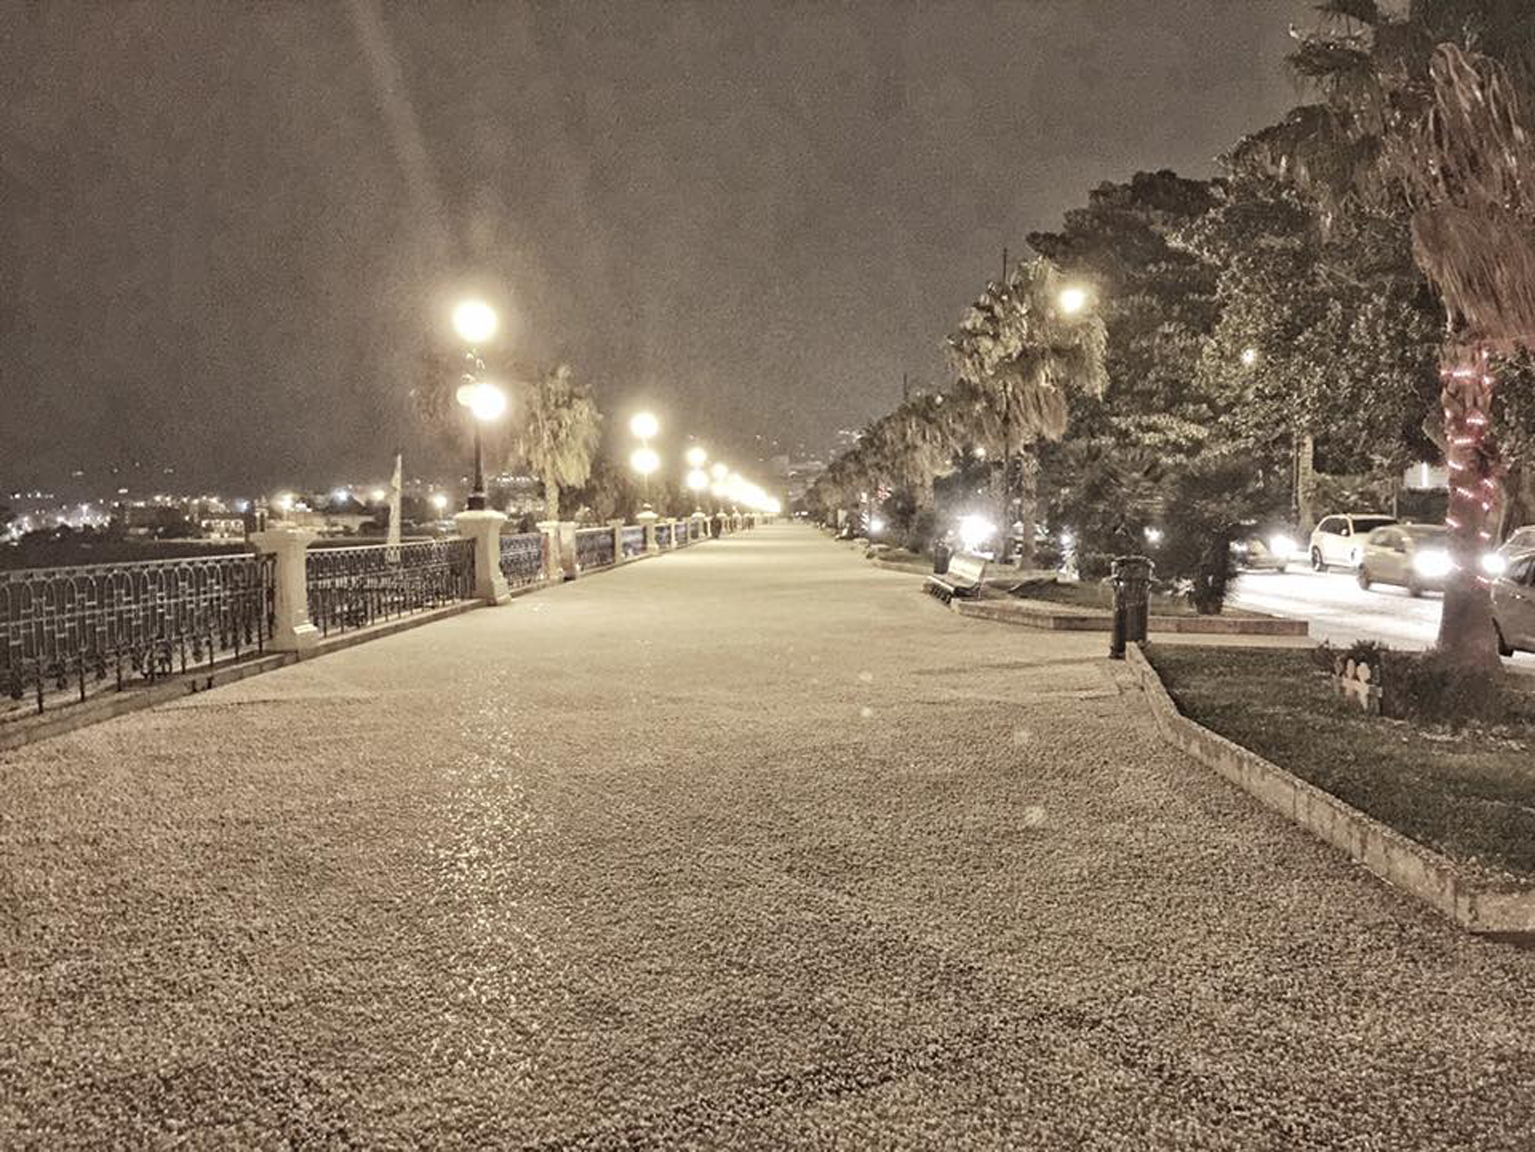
(1479, 905)
(1061, 617)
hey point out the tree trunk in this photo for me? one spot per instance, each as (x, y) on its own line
(1028, 501)
(1305, 483)
(1467, 636)
(551, 495)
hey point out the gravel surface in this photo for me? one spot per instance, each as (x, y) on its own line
(749, 846)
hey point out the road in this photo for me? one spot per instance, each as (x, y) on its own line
(749, 846)
(1341, 612)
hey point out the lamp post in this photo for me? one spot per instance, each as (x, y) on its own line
(643, 426)
(475, 322)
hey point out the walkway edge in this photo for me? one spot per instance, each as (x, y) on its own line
(1480, 906)
(1049, 615)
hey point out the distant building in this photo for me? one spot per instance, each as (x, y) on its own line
(223, 526)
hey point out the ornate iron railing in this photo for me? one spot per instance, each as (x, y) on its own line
(72, 630)
(522, 558)
(684, 532)
(633, 539)
(664, 535)
(354, 587)
(594, 547)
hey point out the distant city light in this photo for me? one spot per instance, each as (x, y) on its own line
(439, 501)
(1249, 357)
(719, 470)
(1153, 535)
(379, 495)
(341, 494)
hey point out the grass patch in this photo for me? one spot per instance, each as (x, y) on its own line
(1469, 795)
(1093, 594)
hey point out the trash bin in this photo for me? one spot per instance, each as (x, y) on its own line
(1131, 576)
(941, 554)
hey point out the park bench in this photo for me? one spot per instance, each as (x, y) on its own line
(966, 574)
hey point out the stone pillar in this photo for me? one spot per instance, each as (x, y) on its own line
(700, 529)
(483, 526)
(618, 540)
(566, 550)
(291, 629)
(554, 564)
(647, 521)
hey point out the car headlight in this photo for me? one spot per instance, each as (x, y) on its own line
(1432, 564)
(1494, 563)
(1282, 547)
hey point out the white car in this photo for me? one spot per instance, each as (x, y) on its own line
(1339, 540)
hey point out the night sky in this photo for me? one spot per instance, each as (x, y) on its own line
(228, 229)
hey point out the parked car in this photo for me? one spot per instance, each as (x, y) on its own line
(1412, 556)
(1257, 550)
(1339, 540)
(1520, 540)
(1513, 605)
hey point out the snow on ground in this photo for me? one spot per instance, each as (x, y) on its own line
(747, 846)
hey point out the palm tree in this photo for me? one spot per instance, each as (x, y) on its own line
(560, 435)
(1019, 354)
(1413, 122)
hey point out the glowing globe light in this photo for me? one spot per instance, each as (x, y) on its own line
(698, 480)
(696, 457)
(975, 531)
(474, 321)
(644, 425)
(439, 501)
(486, 401)
(1073, 299)
(644, 461)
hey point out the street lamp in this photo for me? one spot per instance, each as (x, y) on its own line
(1072, 299)
(696, 457)
(475, 322)
(644, 425)
(485, 402)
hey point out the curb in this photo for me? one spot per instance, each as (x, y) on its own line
(1480, 906)
(1049, 616)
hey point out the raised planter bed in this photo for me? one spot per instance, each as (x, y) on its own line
(1071, 618)
(1476, 902)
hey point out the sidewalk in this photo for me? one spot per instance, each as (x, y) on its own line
(752, 846)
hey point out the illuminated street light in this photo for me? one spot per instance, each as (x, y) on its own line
(698, 480)
(696, 457)
(485, 402)
(379, 495)
(644, 425)
(644, 460)
(439, 501)
(474, 321)
(1073, 299)
(1249, 357)
(719, 470)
